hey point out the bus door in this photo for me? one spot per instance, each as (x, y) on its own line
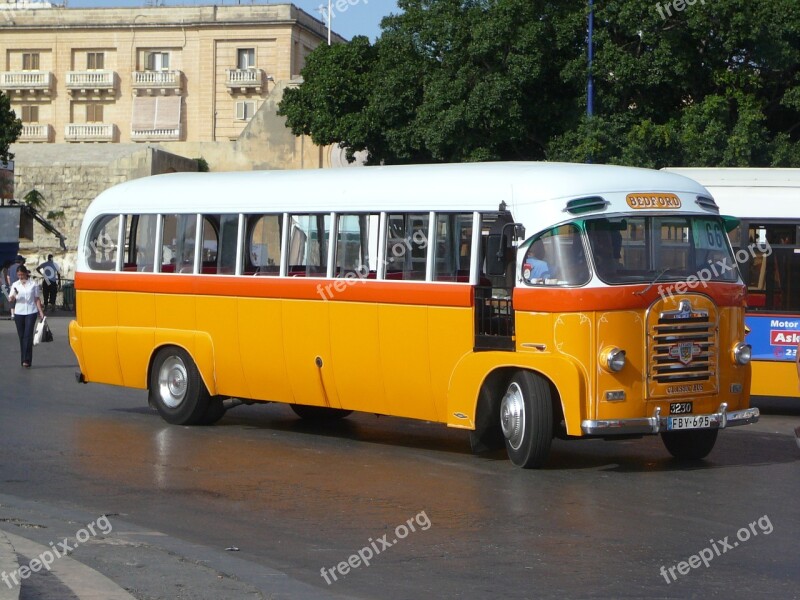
(494, 310)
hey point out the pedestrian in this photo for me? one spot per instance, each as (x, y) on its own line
(52, 281)
(26, 297)
(12, 276)
(4, 280)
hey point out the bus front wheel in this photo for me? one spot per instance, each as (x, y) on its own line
(690, 445)
(176, 388)
(526, 419)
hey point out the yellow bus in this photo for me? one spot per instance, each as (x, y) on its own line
(766, 203)
(519, 301)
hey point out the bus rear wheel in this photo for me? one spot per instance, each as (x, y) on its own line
(319, 413)
(690, 445)
(176, 388)
(526, 419)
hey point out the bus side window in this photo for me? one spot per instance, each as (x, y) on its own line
(308, 245)
(357, 246)
(177, 255)
(141, 243)
(263, 245)
(406, 246)
(220, 236)
(102, 245)
(452, 247)
(556, 257)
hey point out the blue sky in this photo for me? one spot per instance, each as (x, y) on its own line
(359, 17)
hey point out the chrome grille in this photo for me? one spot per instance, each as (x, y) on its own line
(683, 346)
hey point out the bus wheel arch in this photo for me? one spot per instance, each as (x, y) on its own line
(517, 409)
(176, 389)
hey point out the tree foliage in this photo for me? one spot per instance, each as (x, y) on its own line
(717, 84)
(10, 127)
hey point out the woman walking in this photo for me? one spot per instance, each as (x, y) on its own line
(28, 299)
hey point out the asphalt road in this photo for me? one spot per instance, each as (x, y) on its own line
(258, 505)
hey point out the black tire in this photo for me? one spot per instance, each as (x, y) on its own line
(176, 388)
(690, 445)
(216, 410)
(526, 420)
(319, 413)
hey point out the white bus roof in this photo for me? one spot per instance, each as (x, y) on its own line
(535, 193)
(750, 193)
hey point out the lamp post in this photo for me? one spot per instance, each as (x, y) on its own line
(590, 86)
(321, 10)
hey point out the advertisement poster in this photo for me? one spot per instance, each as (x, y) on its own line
(773, 337)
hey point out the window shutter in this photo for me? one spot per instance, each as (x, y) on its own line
(100, 60)
(240, 111)
(150, 61)
(165, 60)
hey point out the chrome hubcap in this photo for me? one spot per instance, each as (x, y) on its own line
(172, 382)
(512, 416)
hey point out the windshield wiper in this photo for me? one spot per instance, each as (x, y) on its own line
(655, 281)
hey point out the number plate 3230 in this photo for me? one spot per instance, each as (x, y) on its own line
(680, 408)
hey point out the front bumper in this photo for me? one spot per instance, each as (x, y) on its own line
(655, 424)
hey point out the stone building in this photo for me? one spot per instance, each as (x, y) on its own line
(148, 74)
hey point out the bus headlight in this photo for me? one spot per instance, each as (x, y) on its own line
(742, 353)
(612, 359)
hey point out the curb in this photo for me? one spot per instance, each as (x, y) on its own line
(8, 564)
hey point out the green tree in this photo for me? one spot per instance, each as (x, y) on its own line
(716, 84)
(10, 127)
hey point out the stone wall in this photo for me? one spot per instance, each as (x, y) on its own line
(70, 177)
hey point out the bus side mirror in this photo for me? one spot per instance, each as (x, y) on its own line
(495, 254)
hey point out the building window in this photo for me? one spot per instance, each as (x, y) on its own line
(30, 114)
(246, 58)
(95, 60)
(30, 61)
(94, 113)
(157, 61)
(245, 110)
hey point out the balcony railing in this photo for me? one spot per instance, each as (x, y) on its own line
(90, 132)
(244, 79)
(94, 81)
(26, 81)
(156, 135)
(160, 81)
(36, 133)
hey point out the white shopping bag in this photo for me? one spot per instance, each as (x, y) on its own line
(39, 333)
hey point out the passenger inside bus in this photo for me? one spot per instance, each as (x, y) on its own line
(539, 269)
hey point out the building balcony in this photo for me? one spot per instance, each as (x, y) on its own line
(244, 80)
(156, 135)
(90, 132)
(88, 82)
(26, 82)
(157, 82)
(36, 133)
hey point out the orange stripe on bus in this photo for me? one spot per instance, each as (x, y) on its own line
(562, 300)
(290, 288)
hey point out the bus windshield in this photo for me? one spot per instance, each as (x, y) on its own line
(640, 249)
